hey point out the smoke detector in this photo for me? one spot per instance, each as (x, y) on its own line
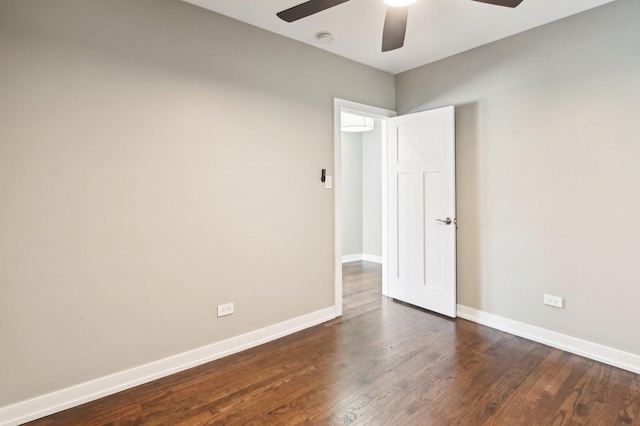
(325, 38)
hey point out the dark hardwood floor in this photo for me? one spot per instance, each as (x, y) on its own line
(382, 363)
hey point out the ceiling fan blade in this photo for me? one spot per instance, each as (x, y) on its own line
(395, 27)
(505, 3)
(308, 8)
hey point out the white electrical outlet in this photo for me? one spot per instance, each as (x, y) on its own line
(226, 309)
(552, 300)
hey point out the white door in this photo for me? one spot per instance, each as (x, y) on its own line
(421, 227)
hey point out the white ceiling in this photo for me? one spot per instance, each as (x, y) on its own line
(436, 28)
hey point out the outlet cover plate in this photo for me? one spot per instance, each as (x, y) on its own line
(554, 301)
(224, 310)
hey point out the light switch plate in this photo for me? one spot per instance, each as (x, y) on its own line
(328, 182)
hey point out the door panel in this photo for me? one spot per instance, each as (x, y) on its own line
(406, 228)
(410, 146)
(421, 173)
(433, 232)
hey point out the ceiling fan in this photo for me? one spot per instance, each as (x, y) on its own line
(395, 23)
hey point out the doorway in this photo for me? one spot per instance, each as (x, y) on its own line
(417, 191)
(355, 244)
(361, 188)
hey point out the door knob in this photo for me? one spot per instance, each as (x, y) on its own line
(446, 221)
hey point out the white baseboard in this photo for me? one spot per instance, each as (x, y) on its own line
(351, 258)
(595, 351)
(372, 258)
(362, 256)
(54, 402)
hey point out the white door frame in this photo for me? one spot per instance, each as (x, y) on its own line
(340, 105)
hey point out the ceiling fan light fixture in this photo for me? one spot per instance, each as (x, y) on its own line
(399, 3)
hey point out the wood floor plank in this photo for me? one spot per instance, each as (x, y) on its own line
(381, 363)
(630, 410)
(531, 399)
(596, 398)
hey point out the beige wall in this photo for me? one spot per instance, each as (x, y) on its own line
(548, 142)
(351, 192)
(156, 160)
(372, 190)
